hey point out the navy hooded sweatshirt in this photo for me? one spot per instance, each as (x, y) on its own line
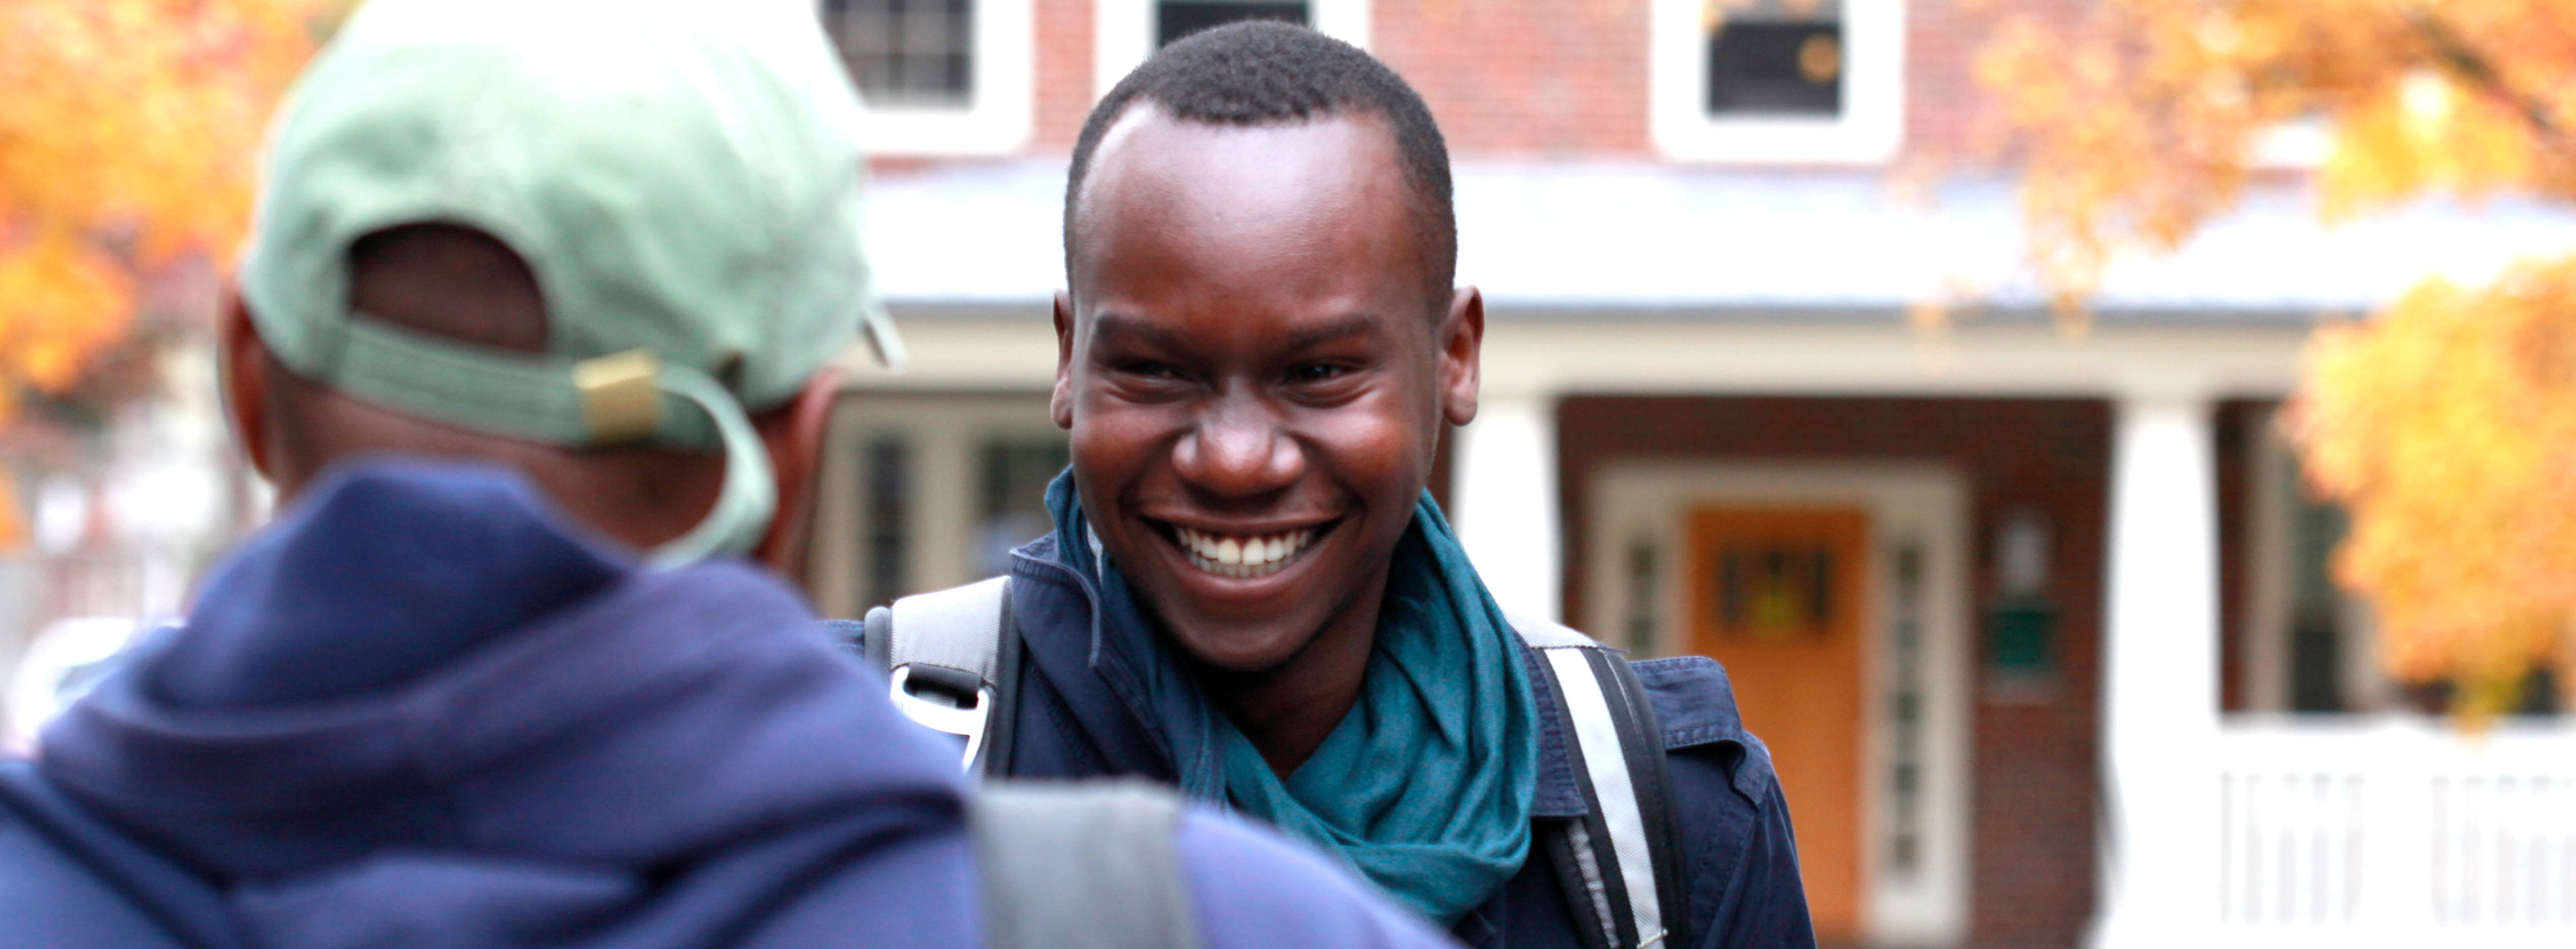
(421, 711)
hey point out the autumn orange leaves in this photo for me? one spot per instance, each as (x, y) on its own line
(2137, 120)
(127, 136)
(126, 142)
(2447, 424)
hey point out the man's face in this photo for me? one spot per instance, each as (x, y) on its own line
(1254, 375)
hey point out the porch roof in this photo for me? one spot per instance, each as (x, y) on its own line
(1572, 238)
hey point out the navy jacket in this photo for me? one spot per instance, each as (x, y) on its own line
(1082, 713)
(421, 712)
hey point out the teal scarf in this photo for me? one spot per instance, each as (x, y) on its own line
(1425, 786)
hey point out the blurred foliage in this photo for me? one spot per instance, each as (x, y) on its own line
(2447, 423)
(128, 133)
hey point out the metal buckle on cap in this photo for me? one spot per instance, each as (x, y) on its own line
(621, 395)
(964, 720)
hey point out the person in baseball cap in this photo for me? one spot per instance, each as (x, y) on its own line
(618, 251)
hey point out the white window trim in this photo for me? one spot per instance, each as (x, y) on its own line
(1868, 132)
(1124, 34)
(999, 120)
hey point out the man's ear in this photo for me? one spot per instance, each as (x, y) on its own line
(1462, 343)
(1061, 403)
(242, 374)
(794, 434)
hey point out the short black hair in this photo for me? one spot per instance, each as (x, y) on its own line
(1265, 72)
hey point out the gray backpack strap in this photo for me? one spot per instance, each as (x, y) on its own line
(943, 653)
(1620, 863)
(1081, 866)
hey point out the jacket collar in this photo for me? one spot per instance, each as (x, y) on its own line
(1559, 795)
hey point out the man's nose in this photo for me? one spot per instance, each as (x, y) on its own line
(1239, 450)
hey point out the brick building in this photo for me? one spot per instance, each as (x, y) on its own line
(2035, 621)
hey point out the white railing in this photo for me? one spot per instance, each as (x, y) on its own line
(2354, 833)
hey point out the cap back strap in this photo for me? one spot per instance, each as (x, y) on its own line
(617, 399)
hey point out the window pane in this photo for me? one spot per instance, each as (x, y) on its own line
(1776, 68)
(929, 29)
(907, 52)
(1174, 19)
(1015, 472)
(887, 548)
(2316, 607)
(863, 28)
(876, 74)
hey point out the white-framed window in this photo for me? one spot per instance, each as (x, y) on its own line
(2309, 645)
(1778, 80)
(925, 491)
(1130, 30)
(939, 77)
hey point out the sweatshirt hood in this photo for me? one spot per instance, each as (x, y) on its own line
(424, 689)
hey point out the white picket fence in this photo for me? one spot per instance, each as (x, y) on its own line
(2355, 833)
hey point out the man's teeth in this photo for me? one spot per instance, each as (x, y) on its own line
(1241, 556)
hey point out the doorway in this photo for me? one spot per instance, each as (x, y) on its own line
(1837, 598)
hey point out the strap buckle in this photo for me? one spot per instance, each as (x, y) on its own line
(621, 401)
(946, 700)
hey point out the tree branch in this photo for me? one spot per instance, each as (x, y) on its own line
(2478, 70)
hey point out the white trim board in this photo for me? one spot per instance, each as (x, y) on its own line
(1123, 34)
(1923, 505)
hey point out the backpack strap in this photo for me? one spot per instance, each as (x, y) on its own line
(1619, 863)
(1080, 866)
(943, 653)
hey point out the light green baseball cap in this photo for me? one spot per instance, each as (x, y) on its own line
(682, 177)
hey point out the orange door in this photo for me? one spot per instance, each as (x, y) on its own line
(1778, 594)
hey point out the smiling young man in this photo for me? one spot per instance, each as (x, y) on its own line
(1248, 592)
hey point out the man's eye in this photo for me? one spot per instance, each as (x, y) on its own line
(1316, 372)
(1159, 371)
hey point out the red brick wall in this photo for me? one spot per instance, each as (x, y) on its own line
(1066, 31)
(2036, 775)
(2235, 478)
(1941, 98)
(1550, 78)
(1524, 77)
(1556, 77)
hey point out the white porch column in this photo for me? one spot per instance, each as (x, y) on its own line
(2160, 678)
(1505, 492)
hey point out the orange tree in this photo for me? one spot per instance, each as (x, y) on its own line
(127, 135)
(2446, 424)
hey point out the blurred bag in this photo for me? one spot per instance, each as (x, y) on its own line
(1063, 866)
(1080, 866)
